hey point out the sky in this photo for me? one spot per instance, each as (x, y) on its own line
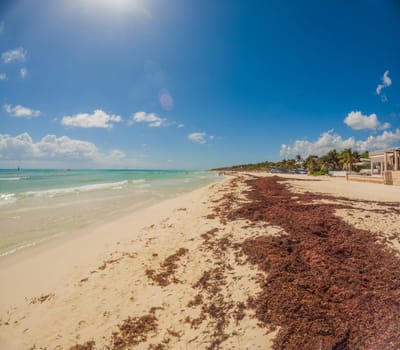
(185, 84)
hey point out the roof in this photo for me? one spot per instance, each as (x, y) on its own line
(381, 153)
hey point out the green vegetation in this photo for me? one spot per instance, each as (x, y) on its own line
(333, 160)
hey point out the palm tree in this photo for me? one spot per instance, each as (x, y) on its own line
(348, 157)
(333, 159)
(290, 164)
(311, 163)
(324, 162)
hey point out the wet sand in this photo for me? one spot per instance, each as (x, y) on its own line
(249, 263)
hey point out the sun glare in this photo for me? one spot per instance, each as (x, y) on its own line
(112, 7)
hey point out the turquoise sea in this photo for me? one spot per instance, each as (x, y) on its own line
(37, 205)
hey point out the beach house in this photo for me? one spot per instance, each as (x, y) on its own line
(386, 164)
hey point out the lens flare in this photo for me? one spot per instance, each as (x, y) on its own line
(166, 100)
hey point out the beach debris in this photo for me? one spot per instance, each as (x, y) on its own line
(210, 216)
(42, 298)
(240, 311)
(134, 330)
(197, 300)
(168, 269)
(209, 234)
(157, 346)
(89, 345)
(109, 262)
(328, 285)
(216, 307)
(174, 333)
(131, 332)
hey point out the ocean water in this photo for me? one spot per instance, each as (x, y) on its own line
(37, 205)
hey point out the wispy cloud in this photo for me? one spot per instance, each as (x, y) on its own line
(386, 82)
(23, 72)
(18, 54)
(330, 140)
(3, 76)
(198, 137)
(151, 119)
(358, 121)
(98, 119)
(21, 112)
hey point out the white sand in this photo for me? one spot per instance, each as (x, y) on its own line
(94, 279)
(78, 310)
(339, 186)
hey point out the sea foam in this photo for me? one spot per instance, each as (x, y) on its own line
(7, 198)
(77, 189)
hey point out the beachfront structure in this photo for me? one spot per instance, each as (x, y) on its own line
(386, 164)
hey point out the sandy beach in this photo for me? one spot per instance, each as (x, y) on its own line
(252, 262)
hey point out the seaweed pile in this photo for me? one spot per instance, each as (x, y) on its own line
(215, 307)
(168, 269)
(134, 330)
(89, 345)
(131, 332)
(328, 285)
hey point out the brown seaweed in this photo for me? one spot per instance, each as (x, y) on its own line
(328, 285)
(168, 269)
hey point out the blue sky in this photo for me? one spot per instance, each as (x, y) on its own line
(195, 84)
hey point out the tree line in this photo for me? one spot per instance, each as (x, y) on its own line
(318, 165)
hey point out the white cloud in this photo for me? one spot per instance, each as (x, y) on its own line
(3, 76)
(98, 119)
(385, 140)
(386, 82)
(18, 54)
(330, 140)
(116, 154)
(198, 137)
(151, 119)
(54, 149)
(359, 121)
(20, 111)
(23, 147)
(23, 72)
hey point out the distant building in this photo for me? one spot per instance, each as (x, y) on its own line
(386, 164)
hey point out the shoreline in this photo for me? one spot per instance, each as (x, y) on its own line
(177, 269)
(51, 242)
(76, 238)
(131, 205)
